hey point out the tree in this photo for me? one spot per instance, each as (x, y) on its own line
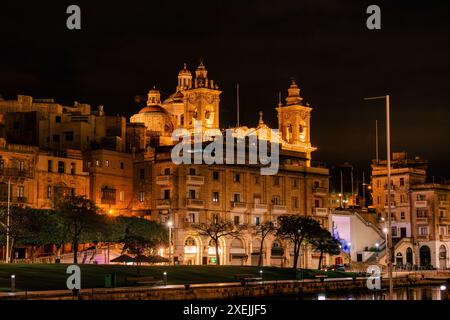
(218, 229)
(264, 229)
(79, 220)
(296, 229)
(323, 241)
(28, 227)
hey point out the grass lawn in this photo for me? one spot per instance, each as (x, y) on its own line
(53, 276)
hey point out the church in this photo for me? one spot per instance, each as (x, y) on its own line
(187, 194)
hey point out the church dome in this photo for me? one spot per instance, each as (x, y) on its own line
(152, 109)
(184, 71)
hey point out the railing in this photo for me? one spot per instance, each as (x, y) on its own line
(15, 172)
(4, 198)
(279, 208)
(420, 203)
(321, 211)
(238, 205)
(320, 190)
(162, 202)
(260, 206)
(166, 179)
(193, 179)
(195, 202)
(444, 203)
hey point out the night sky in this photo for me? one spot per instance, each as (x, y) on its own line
(126, 47)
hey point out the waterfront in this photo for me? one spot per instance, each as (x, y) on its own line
(404, 293)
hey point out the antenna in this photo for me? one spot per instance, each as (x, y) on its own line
(376, 139)
(237, 102)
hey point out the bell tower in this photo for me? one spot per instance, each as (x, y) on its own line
(294, 122)
(201, 101)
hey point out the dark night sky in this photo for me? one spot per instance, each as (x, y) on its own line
(126, 47)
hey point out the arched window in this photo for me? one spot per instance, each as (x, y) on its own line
(190, 242)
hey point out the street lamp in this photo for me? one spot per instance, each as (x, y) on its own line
(388, 151)
(170, 225)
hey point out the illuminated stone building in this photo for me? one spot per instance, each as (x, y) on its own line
(420, 214)
(187, 194)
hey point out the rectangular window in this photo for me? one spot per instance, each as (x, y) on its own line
(237, 177)
(58, 119)
(142, 173)
(166, 194)
(402, 215)
(236, 220)
(20, 191)
(56, 138)
(167, 171)
(276, 181)
(191, 194)
(317, 203)
(72, 168)
(2, 164)
(316, 184)
(215, 197)
(294, 202)
(192, 171)
(420, 197)
(122, 195)
(237, 197)
(257, 221)
(142, 196)
(49, 192)
(421, 213)
(402, 181)
(257, 179)
(441, 231)
(276, 200)
(257, 198)
(50, 166)
(68, 135)
(423, 231)
(294, 183)
(106, 163)
(394, 231)
(61, 167)
(215, 175)
(21, 166)
(122, 165)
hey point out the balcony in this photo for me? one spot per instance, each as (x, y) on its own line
(13, 200)
(164, 180)
(163, 204)
(321, 212)
(320, 191)
(238, 206)
(393, 205)
(444, 237)
(385, 188)
(259, 208)
(444, 204)
(444, 220)
(15, 173)
(195, 203)
(420, 203)
(195, 180)
(422, 219)
(279, 208)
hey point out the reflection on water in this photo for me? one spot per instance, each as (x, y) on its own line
(406, 293)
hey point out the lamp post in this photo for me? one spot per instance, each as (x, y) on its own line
(8, 223)
(170, 225)
(388, 151)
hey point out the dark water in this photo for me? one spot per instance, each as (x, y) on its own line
(406, 293)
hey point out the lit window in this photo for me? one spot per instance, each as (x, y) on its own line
(142, 196)
(215, 197)
(122, 195)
